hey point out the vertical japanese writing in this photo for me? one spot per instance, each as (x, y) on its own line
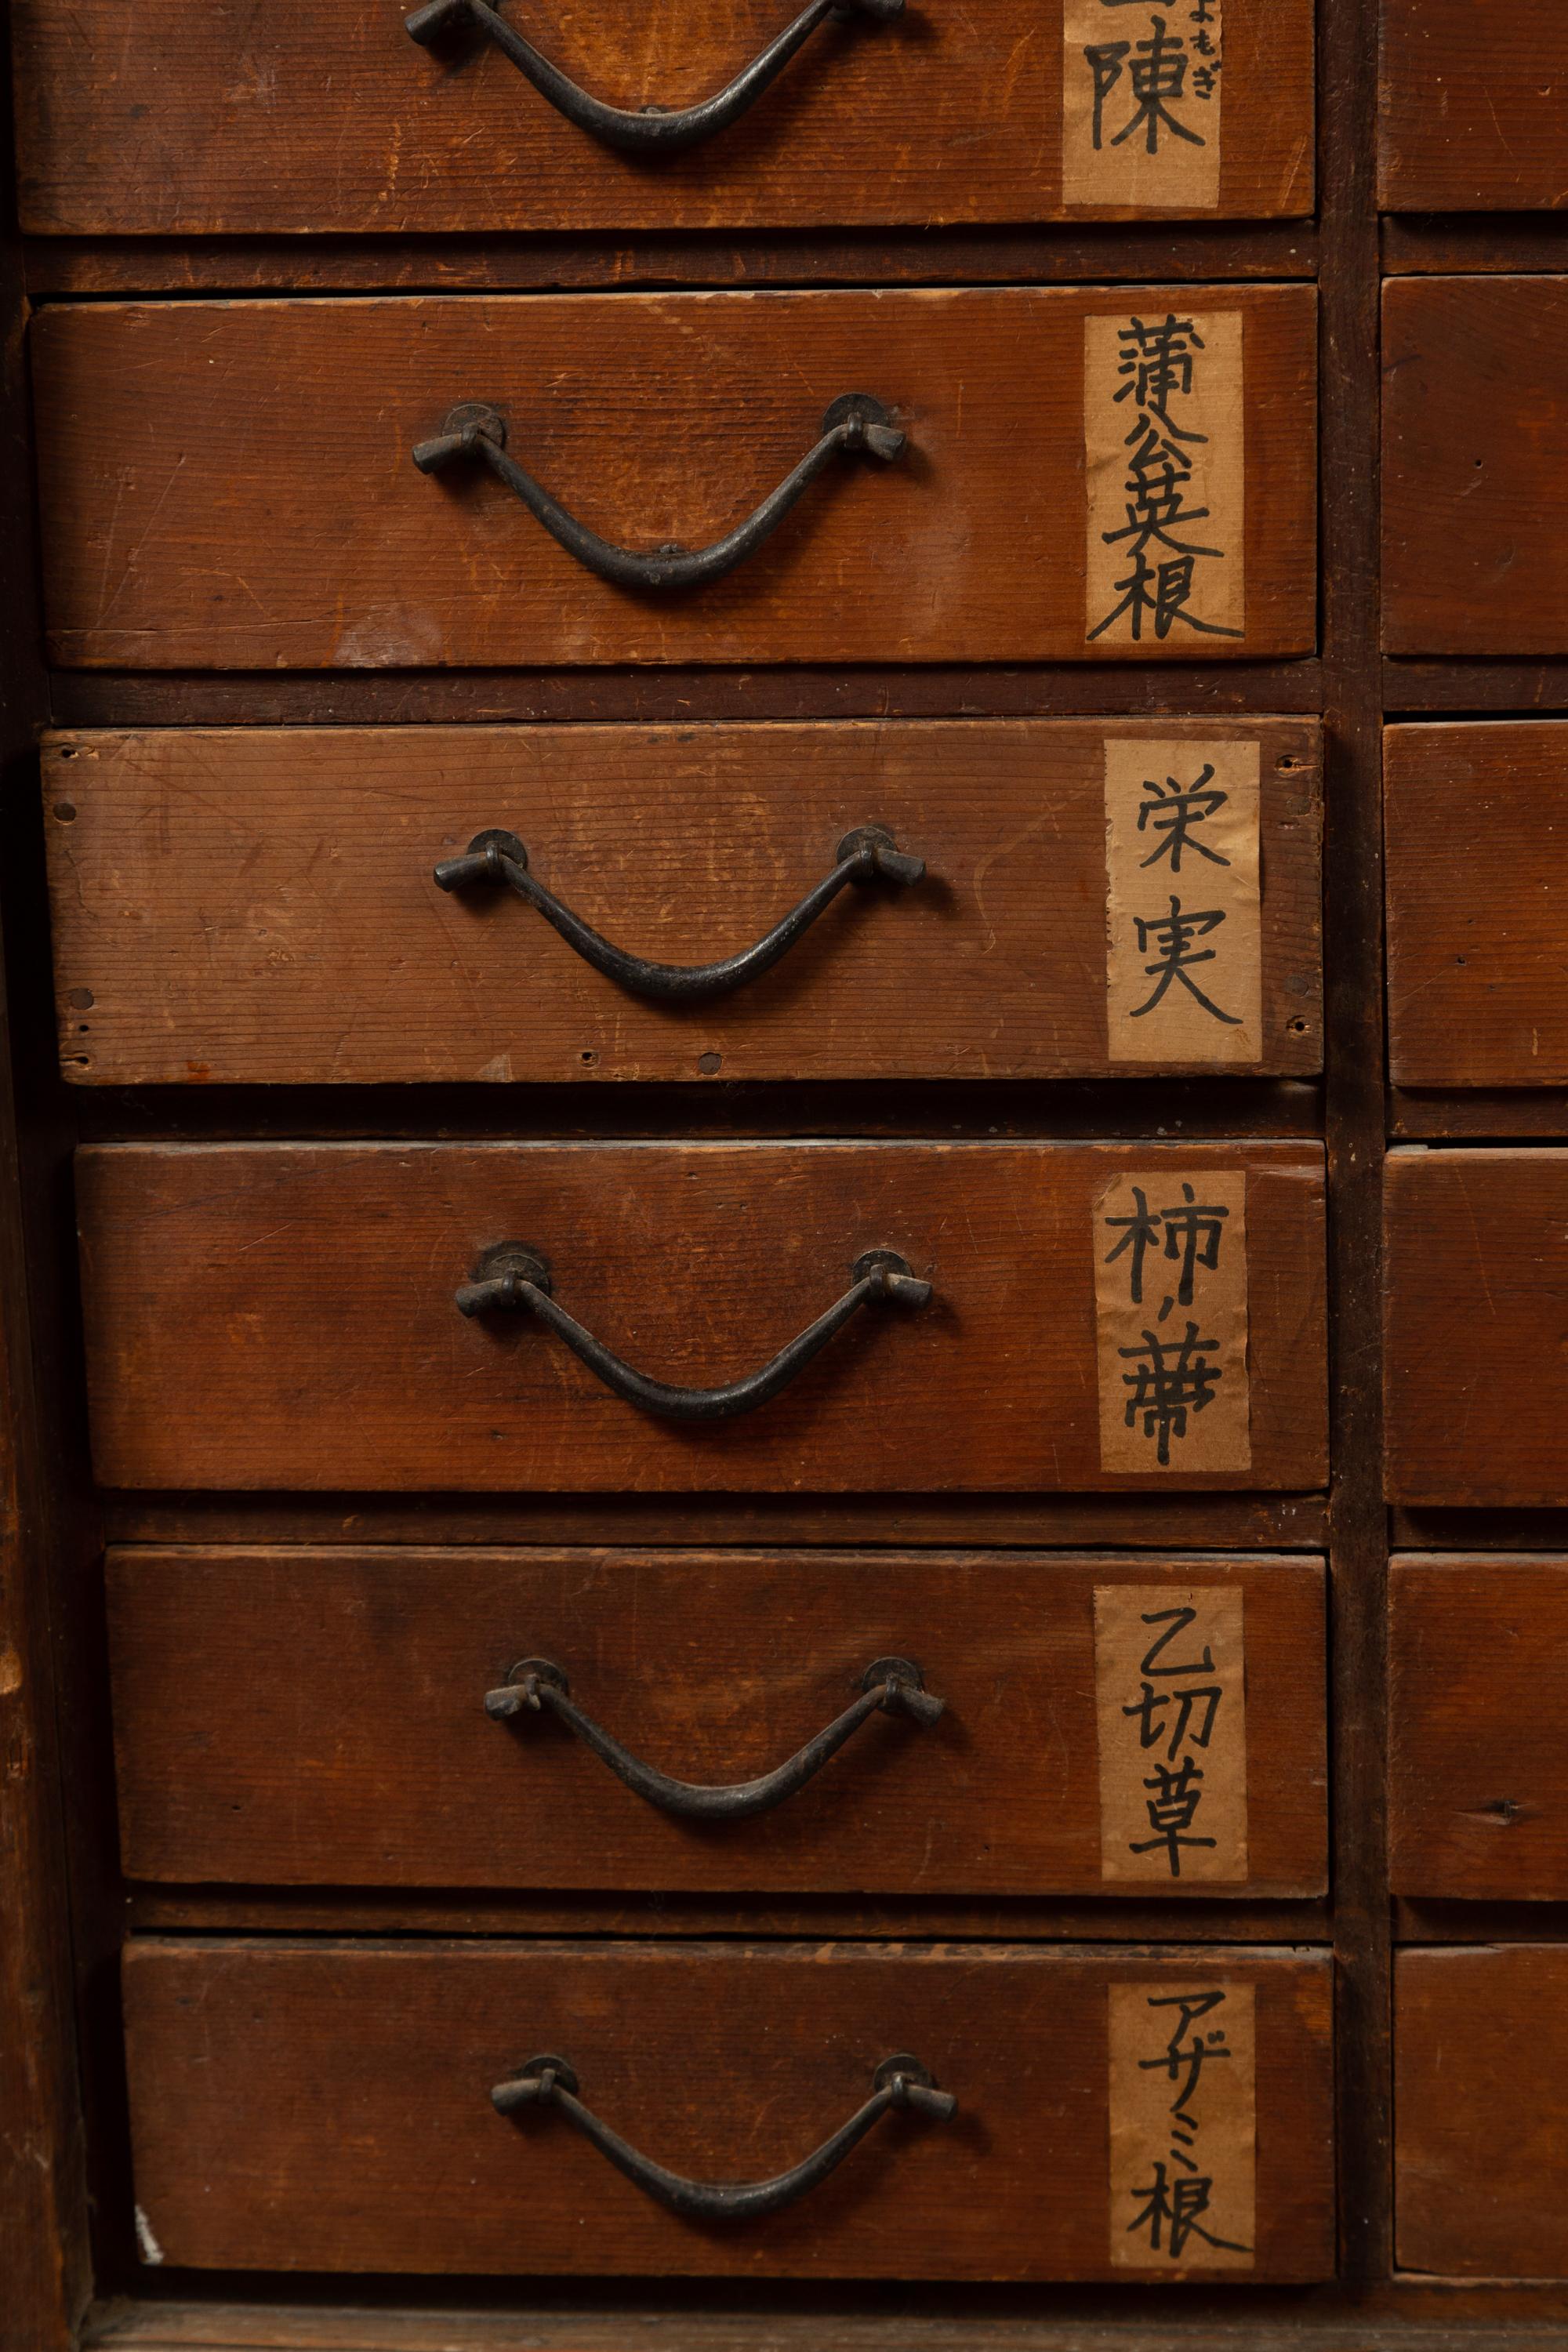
(1170, 1263)
(1183, 2125)
(1184, 904)
(1141, 104)
(1171, 1710)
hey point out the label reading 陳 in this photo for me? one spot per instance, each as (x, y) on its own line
(1170, 1285)
(1171, 1707)
(1184, 2134)
(1140, 105)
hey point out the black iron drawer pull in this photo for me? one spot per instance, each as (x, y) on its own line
(864, 857)
(655, 130)
(888, 1686)
(855, 422)
(899, 2082)
(512, 1276)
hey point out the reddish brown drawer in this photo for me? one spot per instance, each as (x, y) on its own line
(229, 485)
(1479, 1692)
(262, 907)
(258, 2072)
(1480, 2044)
(1476, 1327)
(165, 119)
(1477, 901)
(1471, 108)
(1474, 522)
(283, 1315)
(1185, 1695)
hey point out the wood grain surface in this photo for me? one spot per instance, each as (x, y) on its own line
(1470, 107)
(326, 2106)
(336, 1650)
(228, 486)
(271, 1315)
(260, 907)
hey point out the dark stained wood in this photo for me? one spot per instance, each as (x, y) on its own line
(1478, 1692)
(254, 2068)
(1493, 1113)
(301, 1786)
(1475, 524)
(1471, 114)
(1468, 689)
(1477, 1327)
(260, 907)
(1451, 244)
(139, 117)
(228, 486)
(1475, 822)
(1481, 2058)
(280, 1315)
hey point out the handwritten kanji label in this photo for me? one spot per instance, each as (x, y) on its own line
(1141, 104)
(1165, 477)
(1184, 904)
(1170, 1287)
(1184, 2131)
(1171, 1703)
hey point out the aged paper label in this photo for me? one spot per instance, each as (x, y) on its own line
(1184, 904)
(1184, 2129)
(1170, 1683)
(1140, 105)
(1165, 476)
(1170, 1288)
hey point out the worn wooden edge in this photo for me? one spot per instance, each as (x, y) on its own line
(1482, 1114)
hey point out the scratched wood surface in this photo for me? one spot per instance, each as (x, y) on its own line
(256, 2067)
(1470, 114)
(274, 1315)
(239, 907)
(228, 486)
(299, 1786)
(148, 117)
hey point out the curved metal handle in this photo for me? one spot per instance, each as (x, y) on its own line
(512, 1276)
(855, 423)
(867, 856)
(888, 1686)
(899, 2082)
(656, 131)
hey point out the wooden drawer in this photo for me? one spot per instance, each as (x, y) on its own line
(1478, 898)
(1470, 107)
(301, 1786)
(1475, 524)
(1480, 2046)
(229, 485)
(261, 907)
(254, 2068)
(1479, 1692)
(1476, 1327)
(281, 1314)
(162, 120)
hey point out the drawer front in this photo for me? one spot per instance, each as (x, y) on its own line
(1480, 2057)
(263, 907)
(1476, 1327)
(1478, 898)
(1470, 104)
(283, 1315)
(162, 120)
(1479, 1691)
(229, 485)
(254, 2068)
(1475, 523)
(1185, 1702)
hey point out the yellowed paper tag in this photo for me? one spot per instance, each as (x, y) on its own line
(1184, 904)
(1171, 1700)
(1165, 476)
(1170, 1285)
(1183, 2129)
(1140, 105)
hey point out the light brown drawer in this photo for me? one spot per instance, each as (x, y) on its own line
(1480, 2046)
(1476, 1327)
(283, 1315)
(1475, 526)
(1477, 1695)
(327, 2107)
(262, 906)
(323, 115)
(229, 485)
(1470, 107)
(1478, 900)
(1184, 1700)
